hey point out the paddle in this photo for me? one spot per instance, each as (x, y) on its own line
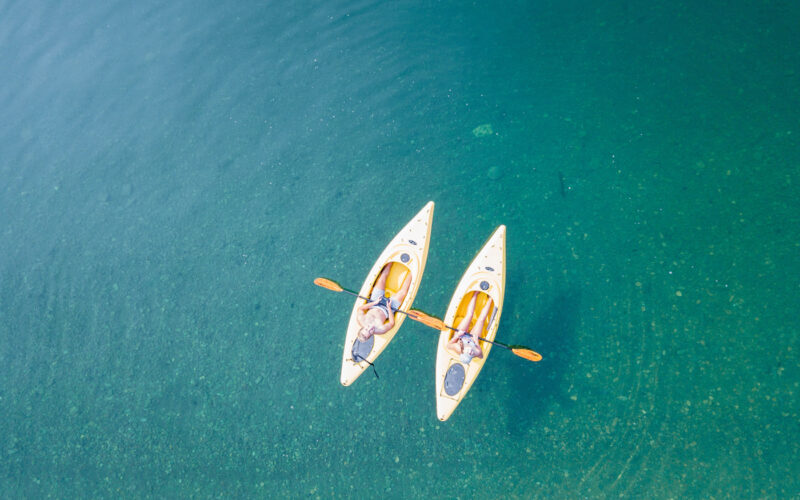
(336, 287)
(434, 322)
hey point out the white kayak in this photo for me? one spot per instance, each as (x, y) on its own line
(407, 253)
(486, 275)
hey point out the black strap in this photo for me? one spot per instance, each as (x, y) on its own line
(356, 356)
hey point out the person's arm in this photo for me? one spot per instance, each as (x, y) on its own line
(477, 347)
(386, 326)
(359, 314)
(361, 311)
(451, 345)
(476, 352)
(390, 322)
(366, 305)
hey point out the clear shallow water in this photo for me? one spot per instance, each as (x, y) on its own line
(172, 178)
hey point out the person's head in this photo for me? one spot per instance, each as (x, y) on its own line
(365, 333)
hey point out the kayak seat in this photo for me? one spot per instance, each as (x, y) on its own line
(462, 310)
(397, 274)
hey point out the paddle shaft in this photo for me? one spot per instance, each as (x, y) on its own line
(390, 306)
(331, 284)
(414, 317)
(436, 323)
(432, 321)
(481, 338)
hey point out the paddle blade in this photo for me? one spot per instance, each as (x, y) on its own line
(426, 319)
(330, 285)
(524, 352)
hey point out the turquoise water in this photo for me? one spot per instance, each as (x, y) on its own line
(174, 176)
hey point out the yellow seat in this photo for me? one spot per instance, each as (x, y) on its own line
(462, 311)
(397, 274)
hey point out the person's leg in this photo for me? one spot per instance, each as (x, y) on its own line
(379, 290)
(464, 325)
(400, 296)
(477, 330)
(381, 283)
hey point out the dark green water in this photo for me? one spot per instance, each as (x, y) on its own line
(174, 175)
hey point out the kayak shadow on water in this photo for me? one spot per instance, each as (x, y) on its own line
(549, 331)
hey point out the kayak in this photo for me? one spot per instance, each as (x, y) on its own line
(407, 253)
(486, 275)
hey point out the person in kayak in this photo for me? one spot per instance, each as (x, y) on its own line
(376, 317)
(464, 343)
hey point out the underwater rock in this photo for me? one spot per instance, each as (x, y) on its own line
(483, 130)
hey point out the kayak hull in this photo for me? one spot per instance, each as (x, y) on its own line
(486, 275)
(408, 252)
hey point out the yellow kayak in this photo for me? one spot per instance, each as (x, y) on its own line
(486, 275)
(407, 253)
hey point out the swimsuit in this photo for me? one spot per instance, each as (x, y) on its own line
(383, 302)
(468, 343)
